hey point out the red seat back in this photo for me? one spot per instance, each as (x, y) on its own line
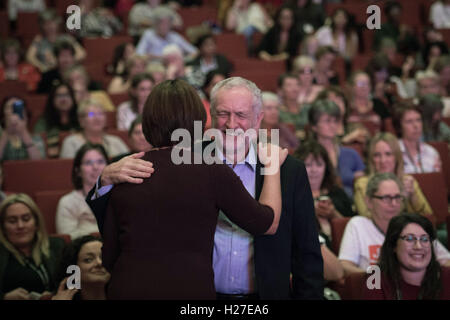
(30, 176)
(435, 190)
(47, 201)
(337, 231)
(443, 149)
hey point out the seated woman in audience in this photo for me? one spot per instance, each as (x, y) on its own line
(324, 117)
(324, 73)
(304, 67)
(40, 52)
(13, 68)
(362, 107)
(92, 121)
(409, 270)
(97, 21)
(16, 141)
(247, 17)
(340, 35)
(136, 139)
(418, 156)
(211, 78)
(141, 17)
(330, 200)
(385, 156)
(434, 129)
(86, 253)
(120, 56)
(442, 68)
(282, 40)
(405, 84)
(157, 70)
(348, 134)
(172, 58)
(208, 59)
(141, 86)
(363, 237)
(121, 83)
(432, 52)
(73, 215)
(271, 121)
(28, 257)
(60, 115)
(85, 88)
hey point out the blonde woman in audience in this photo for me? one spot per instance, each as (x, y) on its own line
(363, 237)
(418, 156)
(91, 116)
(157, 70)
(40, 52)
(304, 66)
(385, 156)
(16, 141)
(73, 215)
(78, 79)
(28, 257)
(121, 83)
(86, 253)
(141, 86)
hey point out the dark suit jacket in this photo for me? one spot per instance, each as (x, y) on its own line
(293, 249)
(51, 263)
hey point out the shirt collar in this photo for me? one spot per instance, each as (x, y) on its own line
(250, 159)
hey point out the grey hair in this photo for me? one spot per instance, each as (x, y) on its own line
(161, 13)
(377, 179)
(234, 82)
(321, 107)
(270, 96)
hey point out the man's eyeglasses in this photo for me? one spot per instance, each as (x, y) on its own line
(412, 239)
(389, 199)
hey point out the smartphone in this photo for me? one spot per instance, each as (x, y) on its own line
(323, 198)
(18, 108)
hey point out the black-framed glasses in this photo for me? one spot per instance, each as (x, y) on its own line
(389, 199)
(412, 239)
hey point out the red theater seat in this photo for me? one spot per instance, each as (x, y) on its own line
(47, 201)
(337, 231)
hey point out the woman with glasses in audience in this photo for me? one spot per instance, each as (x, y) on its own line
(330, 200)
(92, 120)
(385, 156)
(73, 215)
(418, 156)
(324, 117)
(363, 237)
(16, 141)
(304, 67)
(60, 114)
(28, 257)
(409, 270)
(86, 253)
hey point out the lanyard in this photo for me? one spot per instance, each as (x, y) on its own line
(419, 155)
(40, 271)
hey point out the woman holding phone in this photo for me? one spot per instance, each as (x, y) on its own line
(16, 141)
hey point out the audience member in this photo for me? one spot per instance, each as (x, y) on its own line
(409, 270)
(122, 53)
(92, 121)
(271, 121)
(40, 52)
(85, 88)
(141, 86)
(136, 139)
(28, 257)
(86, 253)
(121, 83)
(442, 68)
(157, 70)
(340, 35)
(434, 129)
(16, 141)
(385, 156)
(324, 74)
(154, 40)
(418, 156)
(60, 115)
(281, 41)
(17, 6)
(13, 68)
(324, 117)
(330, 200)
(440, 14)
(309, 15)
(304, 67)
(65, 58)
(142, 17)
(73, 215)
(97, 21)
(363, 237)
